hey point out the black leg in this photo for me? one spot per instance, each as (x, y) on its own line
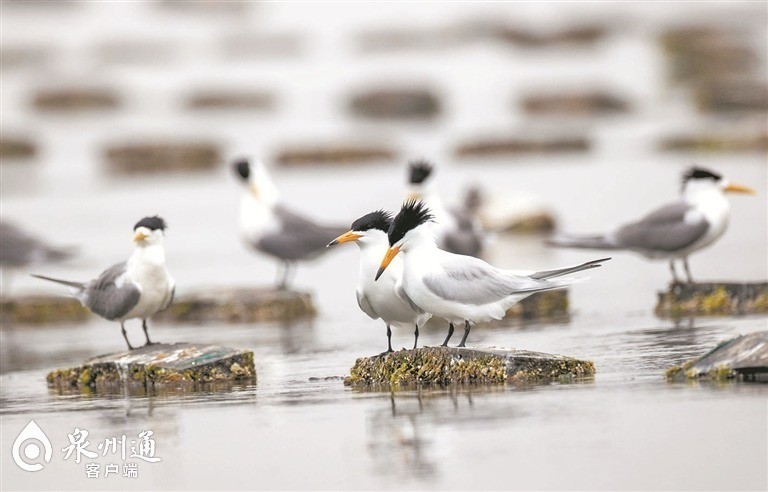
(389, 339)
(687, 270)
(282, 274)
(146, 333)
(467, 327)
(450, 334)
(416, 336)
(675, 280)
(125, 335)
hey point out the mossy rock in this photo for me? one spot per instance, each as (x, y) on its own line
(40, 309)
(744, 358)
(162, 157)
(239, 306)
(342, 153)
(396, 104)
(587, 103)
(158, 365)
(229, 100)
(453, 365)
(518, 145)
(17, 148)
(75, 99)
(547, 305)
(746, 141)
(713, 299)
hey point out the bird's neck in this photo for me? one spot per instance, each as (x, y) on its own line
(710, 200)
(150, 256)
(371, 255)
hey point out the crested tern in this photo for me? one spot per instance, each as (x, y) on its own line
(458, 229)
(269, 227)
(675, 230)
(136, 288)
(457, 287)
(378, 299)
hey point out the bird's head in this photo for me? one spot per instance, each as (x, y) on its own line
(149, 231)
(371, 228)
(697, 180)
(411, 227)
(254, 176)
(419, 172)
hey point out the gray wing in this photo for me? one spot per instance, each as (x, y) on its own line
(467, 238)
(298, 237)
(106, 298)
(400, 293)
(365, 306)
(664, 229)
(472, 281)
(18, 248)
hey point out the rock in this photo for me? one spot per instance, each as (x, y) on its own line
(239, 306)
(39, 309)
(713, 298)
(160, 364)
(159, 157)
(255, 46)
(230, 100)
(24, 56)
(205, 7)
(17, 148)
(727, 96)
(517, 212)
(396, 103)
(334, 154)
(135, 51)
(588, 103)
(523, 145)
(743, 358)
(452, 365)
(572, 35)
(551, 304)
(722, 141)
(75, 99)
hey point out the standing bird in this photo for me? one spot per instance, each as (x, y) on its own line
(457, 229)
(20, 249)
(136, 288)
(378, 299)
(271, 228)
(456, 287)
(675, 230)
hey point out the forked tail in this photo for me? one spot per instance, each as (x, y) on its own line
(548, 274)
(68, 283)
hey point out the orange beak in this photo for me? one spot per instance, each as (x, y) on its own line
(345, 238)
(391, 253)
(140, 236)
(734, 188)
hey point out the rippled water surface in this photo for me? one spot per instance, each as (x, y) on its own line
(298, 426)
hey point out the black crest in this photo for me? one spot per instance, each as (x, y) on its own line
(380, 219)
(243, 168)
(419, 171)
(152, 223)
(411, 215)
(701, 173)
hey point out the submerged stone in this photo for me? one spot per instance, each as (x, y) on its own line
(396, 103)
(40, 309)
(154, 157)
(493, 147)
(17, 148)
(713, 298)
(158, 364)
(743, 358)
(341, 153)
(453, 365)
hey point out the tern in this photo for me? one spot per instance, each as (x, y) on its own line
(271, 228)
(457, 287)
(378, 299)
(675, 230)
(20, 249)
(136, 288)
(457, 229)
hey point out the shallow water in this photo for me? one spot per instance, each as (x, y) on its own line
(298, 426)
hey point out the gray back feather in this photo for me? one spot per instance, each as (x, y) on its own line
(664, 229)
(299, 237)
(105, 298)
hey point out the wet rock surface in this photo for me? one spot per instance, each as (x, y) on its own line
(219, 99)
(344, 153)
(718, 141)
(158, 364)
(587, 103)
(743, 358)
(492, 147)
(75, 99)
(239, 306)
(713, 298)
(552, 304)
(17, 148)
(396, 103)
(158, 157)
(452, 365)
(41, 309)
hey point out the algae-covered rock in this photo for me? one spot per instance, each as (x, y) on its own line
(453, 365)
(40, 309)
(515, 145)
(739, 140)
(154, 157)
(223, 99)
(75, 99)
(239, 306)
(342, 153)
(17, 148)
(743, 358)
(158, 364)
(552, 304)
(569, 103)
(396, 103)
(713, 298)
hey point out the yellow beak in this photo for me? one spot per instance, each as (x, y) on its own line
(345, 238)
(140, 236)
(254, 190)
(734, 188)
(391, 253)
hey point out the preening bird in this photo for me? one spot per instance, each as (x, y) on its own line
(136, 288)
(459, 288)
(675, 230)
(270, 228)
(378, 299)
(457, 229)
(20, 249)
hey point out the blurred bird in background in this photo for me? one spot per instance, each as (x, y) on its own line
(457, 229)
(136, 288)
(675, 230)
(271, 228)
(378, 299)
(20, 249)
